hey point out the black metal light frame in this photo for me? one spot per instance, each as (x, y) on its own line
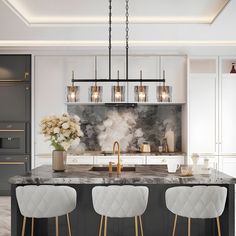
(96, 80)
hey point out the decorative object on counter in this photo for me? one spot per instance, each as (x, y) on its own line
(170, 139)
(62, 131)
(145, 147)
(195, 159)
(117, 91)
(73, 91)
(141, 91)
(233, 70)
(160, 149)
(186, 171)
(63, 203)
(127, 202)
(197, 202)
(164, 93)
(165, 147)
(172, 165)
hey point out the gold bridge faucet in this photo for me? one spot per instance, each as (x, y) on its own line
(118, 153)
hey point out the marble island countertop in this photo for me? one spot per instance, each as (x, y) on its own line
(81, 174)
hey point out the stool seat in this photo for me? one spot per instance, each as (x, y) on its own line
(202, 202)
(120, 202)
(45, 201)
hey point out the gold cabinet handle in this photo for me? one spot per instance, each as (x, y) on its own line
(11, 130)
(12, 163)
(26, 75)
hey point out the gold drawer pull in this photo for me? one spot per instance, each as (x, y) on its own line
(12, 163)
(11, 130)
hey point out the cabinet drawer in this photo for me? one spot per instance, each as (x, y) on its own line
(162, 160)
(126, 160)
(81, 160)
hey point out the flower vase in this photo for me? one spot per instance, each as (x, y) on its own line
(59, 161)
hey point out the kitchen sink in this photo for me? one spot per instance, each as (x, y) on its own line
(105, 168)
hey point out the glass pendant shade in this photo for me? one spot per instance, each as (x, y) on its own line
(164, 93)
(73, 93)
(118, 93)
(141, 93)
(95, 93)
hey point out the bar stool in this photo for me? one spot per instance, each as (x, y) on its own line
(45, 201)
(120, 202)
(202, 202)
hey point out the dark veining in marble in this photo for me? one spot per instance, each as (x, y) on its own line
(145, 123)
(81, 174)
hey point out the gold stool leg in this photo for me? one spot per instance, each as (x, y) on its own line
(23, 227)
(100, 227)
(136, 225)
(68, 224)
(105, 227)
(218, 226)
(57, 228)
(189, 226)
(141, 225)
(32, 227)
(174, 227)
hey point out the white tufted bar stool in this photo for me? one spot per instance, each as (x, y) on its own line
(45, 201)
(120, 202)
(202, 202)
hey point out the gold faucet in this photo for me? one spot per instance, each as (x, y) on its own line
(114, 151)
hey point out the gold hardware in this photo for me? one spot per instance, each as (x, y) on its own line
(114, 151)
(23, 227)
(32, 227)
(11, 130)
(57, 228)
(100, 227)
(110, 167)
(141, 225)
(189, 226)
(218, 226)
(68, 224)
(173, 233)
(105, 227)
(11, 163)
(136, 226)
(26, 75)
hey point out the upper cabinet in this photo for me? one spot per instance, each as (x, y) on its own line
(15, 67)
(151, 67)
(212, 112)
(175, 68)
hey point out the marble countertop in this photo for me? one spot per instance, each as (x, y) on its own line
(145, 174)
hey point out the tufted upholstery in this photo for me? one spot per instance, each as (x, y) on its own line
(45, 201)
(196, 202)
(120, 201)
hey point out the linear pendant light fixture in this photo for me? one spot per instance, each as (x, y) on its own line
(118, 92)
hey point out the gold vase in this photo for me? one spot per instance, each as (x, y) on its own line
(59, 161)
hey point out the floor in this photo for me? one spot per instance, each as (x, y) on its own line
(5, 216)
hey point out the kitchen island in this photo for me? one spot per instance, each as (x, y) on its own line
(157, 220)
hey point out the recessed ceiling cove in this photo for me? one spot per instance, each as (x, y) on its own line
(72, 12)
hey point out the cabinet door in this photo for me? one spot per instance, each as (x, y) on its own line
(150, 70)
(83, 67)
(79, 160)
(176, 76)
(228, 165)
(15, 67)
(228, 115)
(49, 95)
(202, 114)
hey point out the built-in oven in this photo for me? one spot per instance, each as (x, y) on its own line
(14, 138)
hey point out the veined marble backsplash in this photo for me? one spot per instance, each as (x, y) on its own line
(131, 126)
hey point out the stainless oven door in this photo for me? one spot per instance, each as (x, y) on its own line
(12, 138)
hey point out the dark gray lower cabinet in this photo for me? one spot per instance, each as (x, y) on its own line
(10, 166)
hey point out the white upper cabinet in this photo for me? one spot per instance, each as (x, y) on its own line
(149, 65)
(84, 68)
(228, 115)
(49, 94)
(202, 114)
(176, 76)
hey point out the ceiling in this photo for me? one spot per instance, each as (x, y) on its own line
(72, 12)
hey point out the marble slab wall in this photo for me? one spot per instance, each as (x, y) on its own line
(131, 126)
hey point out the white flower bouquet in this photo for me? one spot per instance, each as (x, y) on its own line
(62, 131)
